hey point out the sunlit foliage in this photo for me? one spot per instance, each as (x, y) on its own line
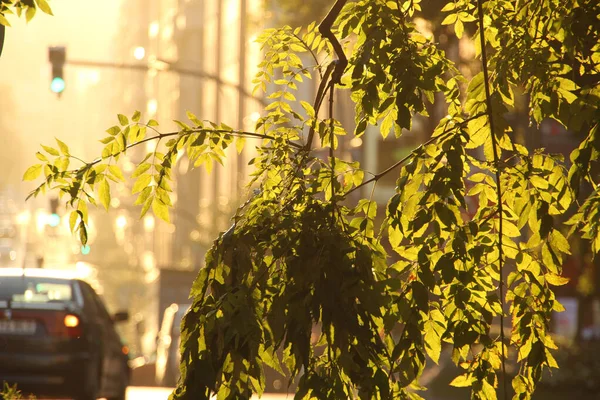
(22, 7)
(298, 256)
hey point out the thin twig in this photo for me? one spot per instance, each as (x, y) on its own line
(379, 175)
(312, 53)
(317, 105)
(331, 155)
(488, 99)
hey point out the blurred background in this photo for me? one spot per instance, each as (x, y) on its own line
(164, 57)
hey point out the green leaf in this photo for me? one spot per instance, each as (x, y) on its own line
(142, 182)
(107, 140)
(63, 147)
(73, 217)
(462, 381)
(116, 172)
(104, 193)
(30, 13)
(160, 210)
(450, 19)
(51, 150)
(136, 116)
(41, 157)
(32, 172)
(83, 236)
(123, 120)
(143, 167)
(143, 196)
(4, 21)
(43, 5)
(433, 344)
(559, 242)
(556, 280)
(459, 28)
(239, 144)
(152, 122)
(113, 130)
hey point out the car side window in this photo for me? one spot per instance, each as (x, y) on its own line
(89, 303)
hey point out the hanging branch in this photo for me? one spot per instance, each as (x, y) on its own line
(488, 100)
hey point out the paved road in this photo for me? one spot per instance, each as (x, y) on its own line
(154, 393)
(148, 393)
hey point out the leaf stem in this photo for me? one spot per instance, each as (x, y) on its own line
(488, 99)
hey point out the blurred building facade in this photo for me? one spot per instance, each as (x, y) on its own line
(201, 56)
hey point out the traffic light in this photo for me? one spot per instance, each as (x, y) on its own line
(54, 218)
(57, 56)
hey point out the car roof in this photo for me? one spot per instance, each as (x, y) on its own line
(41, 273)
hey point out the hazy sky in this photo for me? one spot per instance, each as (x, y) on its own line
(29, 113)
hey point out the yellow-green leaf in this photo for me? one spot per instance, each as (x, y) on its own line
(160, 210)
(32, 172)
(462, 381)
(43, 5)
(142, 182)
(559, 242)
(123, 120)
(51, 150)
(4, 21)
(116, 172)
(136, 116)
(459, 28)
(556, 280)
(104, 193)
(73, 217)
(239, 144)
(63, 147)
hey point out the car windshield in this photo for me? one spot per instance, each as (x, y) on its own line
(26, 289)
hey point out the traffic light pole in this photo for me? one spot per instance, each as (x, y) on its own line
(2, 33)
(165, 66)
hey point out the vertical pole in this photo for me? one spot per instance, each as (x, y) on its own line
(2, 35)
(239, 171)
(216, 214)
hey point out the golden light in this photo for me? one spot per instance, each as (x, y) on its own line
(356, 142)
(23, 217)
(151, 107)
(148, 223)
(121, 222)
(139, 53)
(153, 29)
(254, 116)
(71, 321)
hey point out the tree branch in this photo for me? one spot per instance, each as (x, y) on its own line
(379, 175)
(488, 99)
(335, 69)
(325, 30)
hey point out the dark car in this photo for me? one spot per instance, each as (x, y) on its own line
(167, 346)
(57, 339)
